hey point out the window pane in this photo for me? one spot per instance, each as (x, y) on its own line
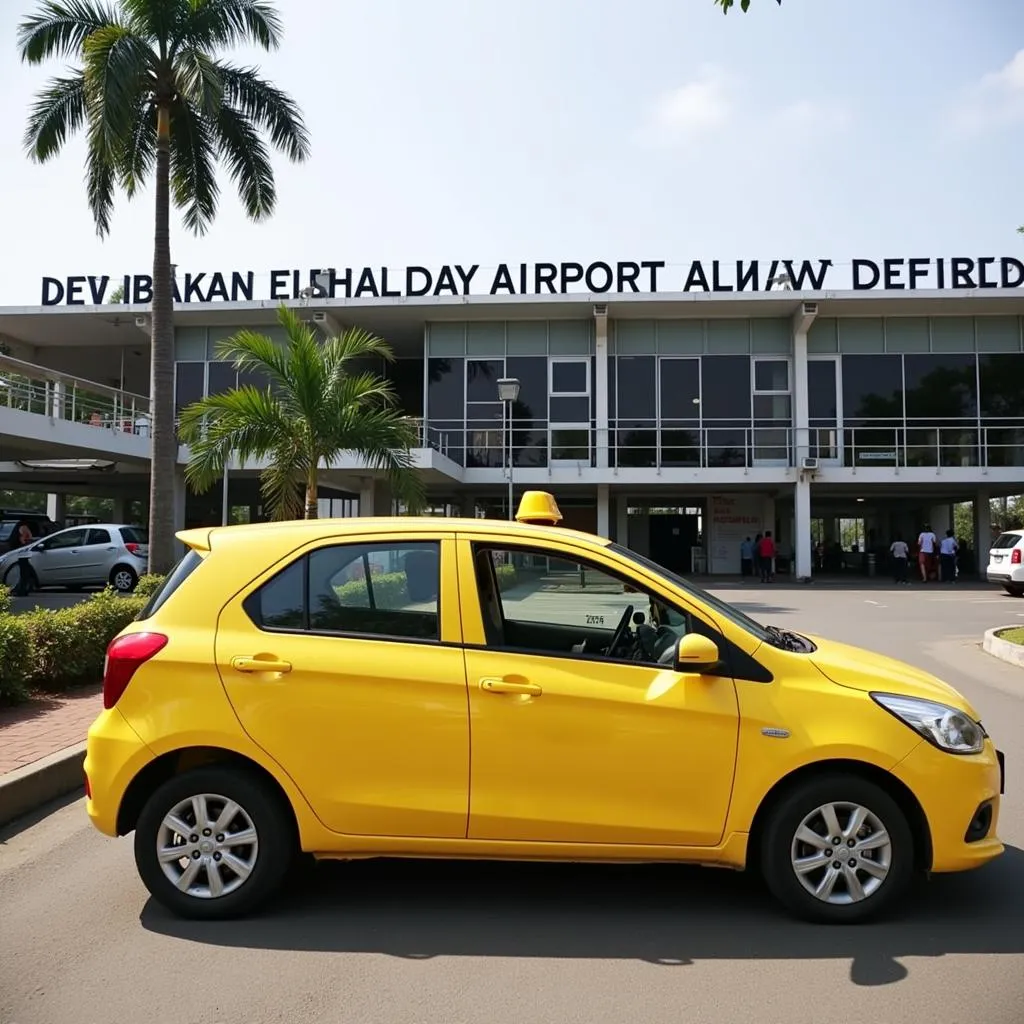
(482, 376)
(771, 375)
(280, 603)
(635, 386)
(223, 377)
(569, 378)
(1002, 384)
(532, 374)
(406, 376)
(772, 410)
(98, 537)
(68, 539)
(725, 388)
(446, 389)
(679, 446)
(570, 444)
(821, 388)
(872, 387)
(135, 534)
(636, 444)
(941, 386)
(570, 410)
(379, 590)
(188, 385)
(680, 388)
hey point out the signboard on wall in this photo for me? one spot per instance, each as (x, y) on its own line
(734, 517)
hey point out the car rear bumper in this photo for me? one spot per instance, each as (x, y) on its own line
(114, 755)
(951, 789)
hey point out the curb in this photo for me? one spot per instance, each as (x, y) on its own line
(1003, 649)
(29, 787)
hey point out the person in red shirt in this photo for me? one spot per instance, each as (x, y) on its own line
(766, 549)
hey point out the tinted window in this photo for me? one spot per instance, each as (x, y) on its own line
(98, 537)
(569, 377)
(67, 539)
(725, 388)
(771, 375)
(222, 377)
(1002, 385)
(1007, 540)
(368, 590)
(532, 374)
(680, 389)
(482, 376)
(940, 386)
(821, 389)
(134, 535)
(872, 387)
(635, 387)
(177, 576)
(446, 389)
(406, 376)
(188, 384)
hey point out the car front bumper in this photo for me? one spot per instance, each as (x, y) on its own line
(950, 789)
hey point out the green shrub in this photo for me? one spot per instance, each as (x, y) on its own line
(15, 658)
(67, 646)
(388, 590)
(149, 584)
(5, 599)
(506, 576)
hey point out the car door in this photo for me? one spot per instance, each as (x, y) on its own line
(57, 561)
(345, 665)
(572, 747)
(95, 557)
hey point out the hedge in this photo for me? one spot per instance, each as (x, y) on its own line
(51, 651)
(389, 588)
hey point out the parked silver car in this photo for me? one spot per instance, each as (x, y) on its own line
(82, 556)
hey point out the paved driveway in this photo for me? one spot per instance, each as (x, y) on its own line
(454, 943)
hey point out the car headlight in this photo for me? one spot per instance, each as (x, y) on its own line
(946, 727)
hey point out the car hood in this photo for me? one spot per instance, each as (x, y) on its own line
(864, 670)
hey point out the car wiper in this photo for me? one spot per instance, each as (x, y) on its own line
(788, 640)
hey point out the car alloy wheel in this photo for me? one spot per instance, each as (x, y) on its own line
(841, 853)
(207, 846)
(124, 580)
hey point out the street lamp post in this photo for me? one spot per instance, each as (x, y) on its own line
(508, 392)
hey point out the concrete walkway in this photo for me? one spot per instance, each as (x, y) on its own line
(46, 724)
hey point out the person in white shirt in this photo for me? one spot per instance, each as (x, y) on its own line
(900, 553)
(947, 557)
(926, 542)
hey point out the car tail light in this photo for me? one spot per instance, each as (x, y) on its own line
(131, 547)
(1015, 557)
(124, 656)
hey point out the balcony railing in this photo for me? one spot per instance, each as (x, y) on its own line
(60, 396)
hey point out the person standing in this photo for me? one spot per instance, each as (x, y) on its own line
(766, 552)
(926, 542)
(900, 554)
(747, 557)
(947, 557)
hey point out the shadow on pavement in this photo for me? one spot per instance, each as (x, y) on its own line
(662, 914)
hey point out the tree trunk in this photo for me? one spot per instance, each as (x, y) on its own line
(312, 487)
(164, 444)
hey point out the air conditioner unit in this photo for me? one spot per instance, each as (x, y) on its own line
(601, 309)
(809, 464)
(810, 309)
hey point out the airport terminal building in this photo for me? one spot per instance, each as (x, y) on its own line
(678, 417)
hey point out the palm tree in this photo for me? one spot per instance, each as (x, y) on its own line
(154, 96)
(312, 410)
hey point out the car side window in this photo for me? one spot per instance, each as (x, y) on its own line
(68, 539)
(534, 602)
(384, 590)
(98, 537)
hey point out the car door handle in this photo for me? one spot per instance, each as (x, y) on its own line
(245, 663)
(504, 686)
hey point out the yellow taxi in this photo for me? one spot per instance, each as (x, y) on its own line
(481, 689)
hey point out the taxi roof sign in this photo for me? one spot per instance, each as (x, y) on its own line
(538, 508)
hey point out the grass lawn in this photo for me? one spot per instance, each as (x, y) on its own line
(1014, 636)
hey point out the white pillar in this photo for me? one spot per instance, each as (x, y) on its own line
(601, 389)
(940, 518)
(119, 512)
(375, 498)
(802, 528)
(55, 508)
(801, 408)
(982, 530)
(603, 511)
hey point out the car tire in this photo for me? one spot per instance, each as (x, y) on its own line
(871, 877)
(1013, 591)
(263, 863)
(123, 578)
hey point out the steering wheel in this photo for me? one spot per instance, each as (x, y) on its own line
(620, 630)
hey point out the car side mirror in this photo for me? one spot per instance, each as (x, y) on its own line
(697, 653)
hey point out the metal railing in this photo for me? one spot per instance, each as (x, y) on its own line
(60, 396)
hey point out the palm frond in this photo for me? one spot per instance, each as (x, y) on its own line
(99, 184)
(198, 79)
(117, 66)
(193, 173)
(59, 29)
(280, 485)
(140, 152)
(155, 20)
(266, 107)
(252, 352)
(222, 23)
(56, 114)
(243, 152)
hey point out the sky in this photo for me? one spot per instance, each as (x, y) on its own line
(477, 132)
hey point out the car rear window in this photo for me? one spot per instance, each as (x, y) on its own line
(134, 535)
(1008, 540)
(175, 578)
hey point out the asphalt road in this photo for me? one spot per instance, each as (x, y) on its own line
(418, 942)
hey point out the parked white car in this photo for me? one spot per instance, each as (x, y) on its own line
(82, 556)
(1006, 562)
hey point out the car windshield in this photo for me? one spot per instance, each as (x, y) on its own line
(727, 611)
(134, 535)
(6, 529)
(1008, 540)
